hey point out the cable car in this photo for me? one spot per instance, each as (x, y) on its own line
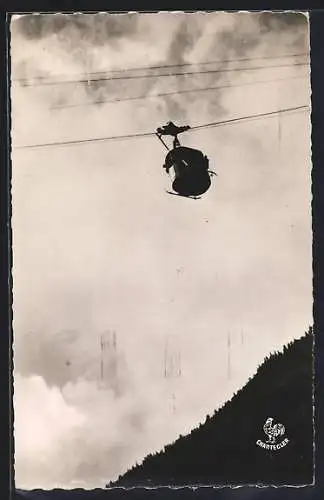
(188, 168)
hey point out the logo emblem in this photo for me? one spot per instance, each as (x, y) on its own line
(274, 433)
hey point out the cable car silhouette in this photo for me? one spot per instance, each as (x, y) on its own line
(188, 168)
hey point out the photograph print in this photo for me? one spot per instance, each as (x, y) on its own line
(162, 250)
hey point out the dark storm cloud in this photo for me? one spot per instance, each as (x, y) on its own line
(234, 42)
(79, 33)
(293, 24)
(33, 356)
(184, 39)
(248, 32)
(57, 360)
(97, 29)
(269, 21)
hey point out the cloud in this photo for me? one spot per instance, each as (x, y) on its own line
(82, 434)
(83, 44)
(43, 420)
(71, 29)
(75, 434)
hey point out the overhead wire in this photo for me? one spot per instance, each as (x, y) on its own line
(161, 75)
(173, 92)
(167, 66)
(250, 117)
(151, 134)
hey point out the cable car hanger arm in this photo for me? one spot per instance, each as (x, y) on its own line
(172, 130)
(159, 137)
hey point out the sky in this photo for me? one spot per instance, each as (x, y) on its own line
(100, 247)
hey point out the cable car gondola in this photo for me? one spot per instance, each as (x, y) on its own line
(187, 167)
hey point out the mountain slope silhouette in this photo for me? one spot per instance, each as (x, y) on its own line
(223, 450)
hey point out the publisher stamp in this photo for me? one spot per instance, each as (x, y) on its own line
(274, 432)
